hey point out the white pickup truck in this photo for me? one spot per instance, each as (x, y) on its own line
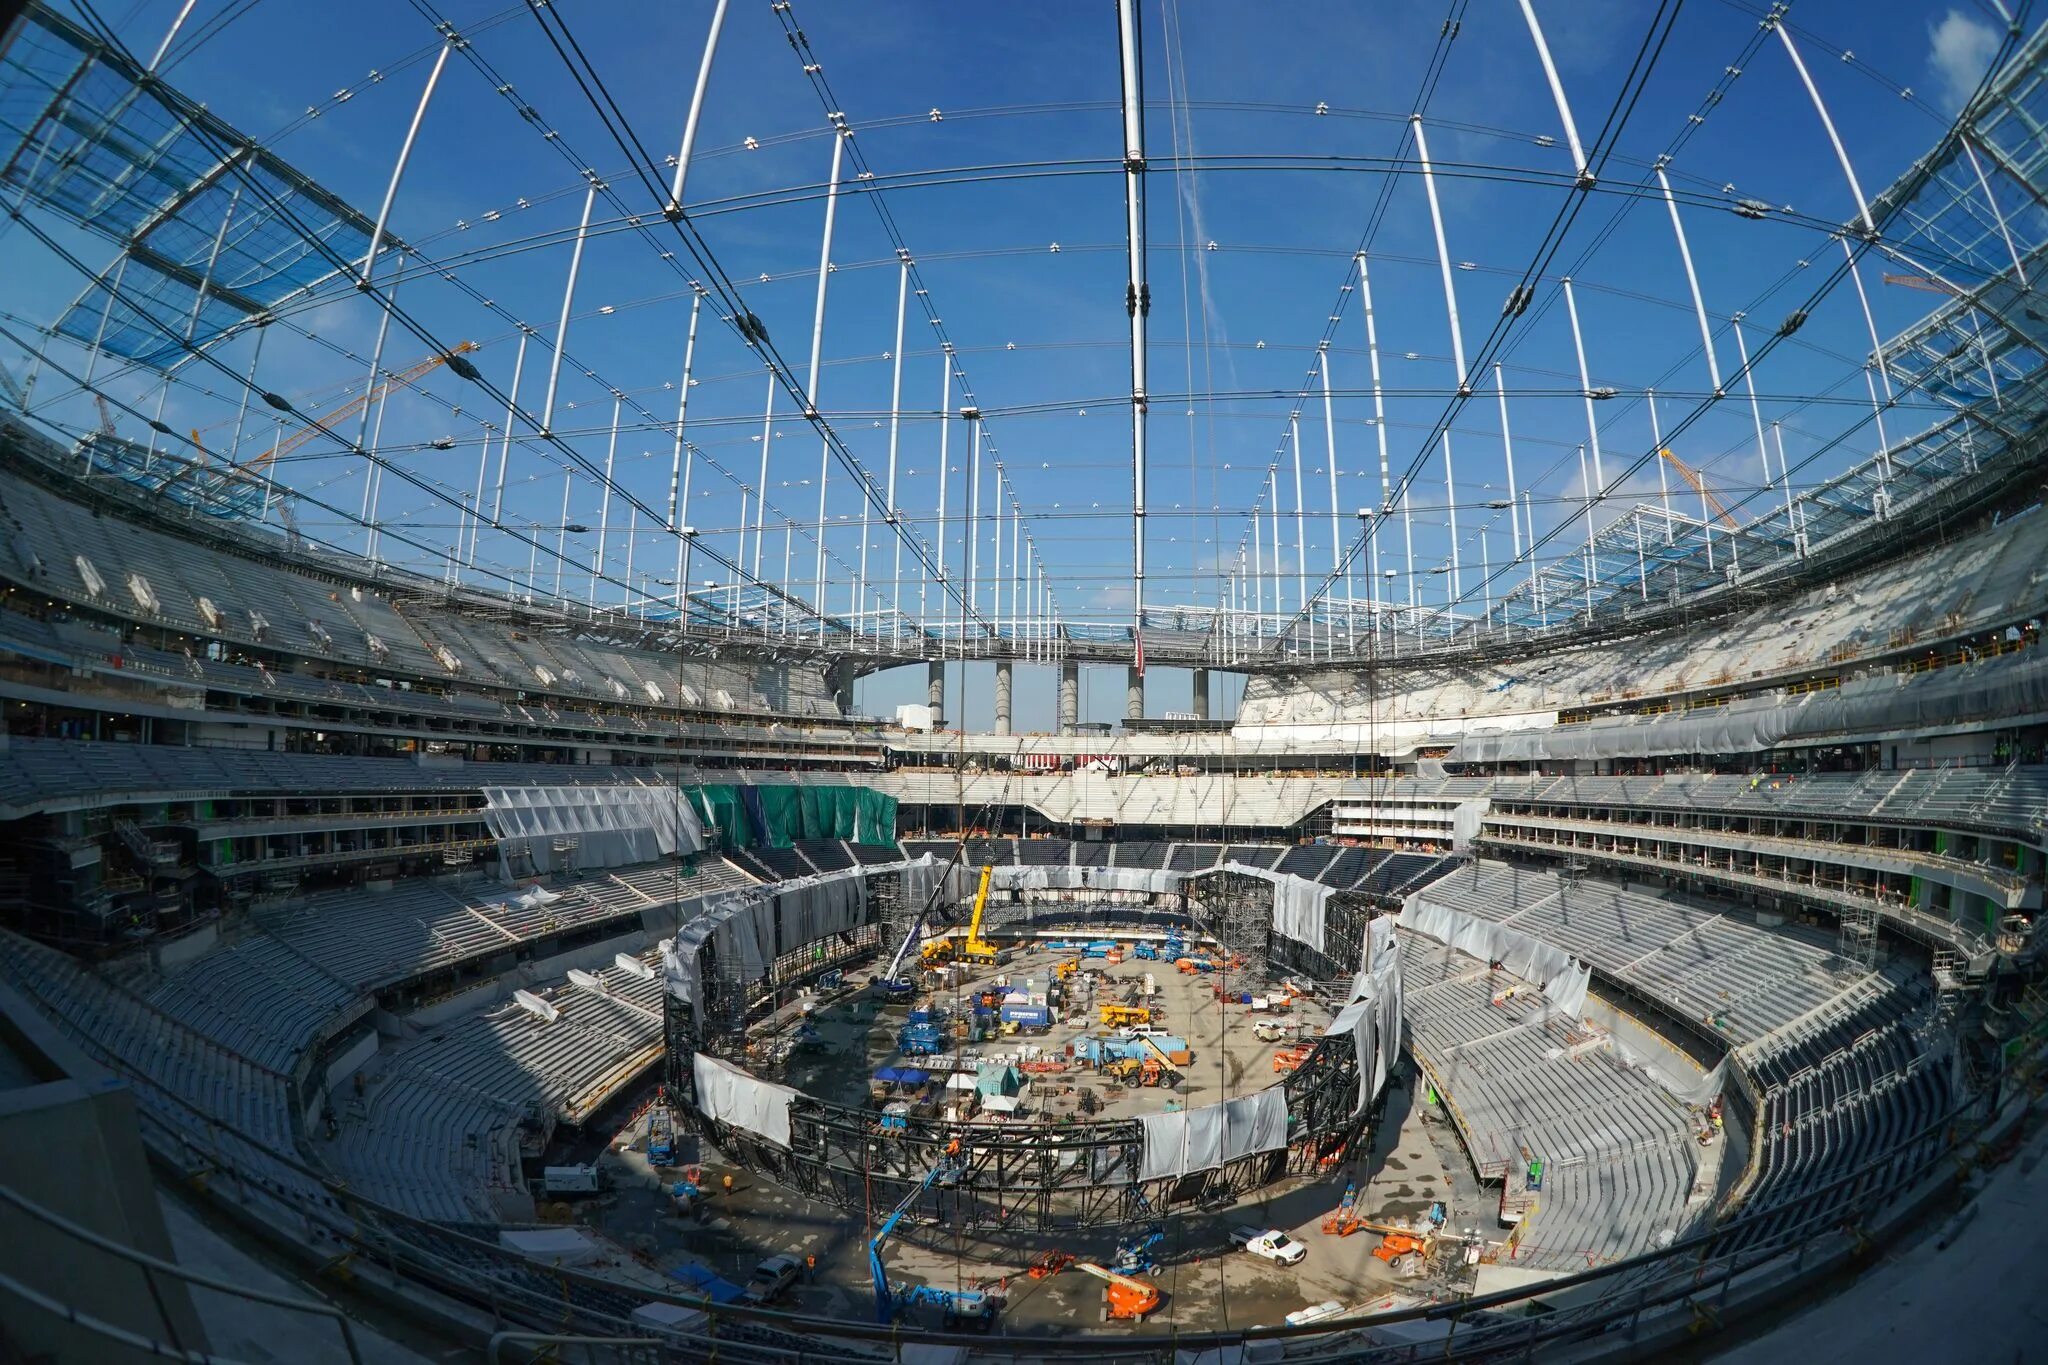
(1269, 1243)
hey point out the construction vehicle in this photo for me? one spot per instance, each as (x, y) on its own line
(1404, 1249)
(1290, 1058)
(974, 1308)
(975, 949)
(1124, 1298)
(1115, 1015)
(1049, 1264)
(1134, 1254)
(1066, 969)
(1133, 1071)
(935, 950)
(661, 1134)
(1145, 952)
(1165, 1060)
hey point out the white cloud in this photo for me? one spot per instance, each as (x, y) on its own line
(1959, 48)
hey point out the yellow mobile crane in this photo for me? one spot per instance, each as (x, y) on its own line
(976, 949)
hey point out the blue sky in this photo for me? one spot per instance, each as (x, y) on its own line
(1042, 333)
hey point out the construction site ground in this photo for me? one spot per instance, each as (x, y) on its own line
(1229, 1058)
(1402, 1172)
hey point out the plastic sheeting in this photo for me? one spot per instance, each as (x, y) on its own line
(1563, 978)
(754, 926)
(1205, 1138)
(1373, 1016)
(1298, 908)
(594, 827)
(730, 1095)
(786, 814)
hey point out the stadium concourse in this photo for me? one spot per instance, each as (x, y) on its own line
(596, 905)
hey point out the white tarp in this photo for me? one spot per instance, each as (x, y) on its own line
(730, 1095)
(1205, 1138)
(542, 829)
(556, 1246)
(1374, 1014)
(1564, 979)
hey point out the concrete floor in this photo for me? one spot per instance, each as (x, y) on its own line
(1402, 1173)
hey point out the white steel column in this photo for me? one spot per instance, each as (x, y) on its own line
(1379, 416)
(1571, 305)
(1756, 415)
(1507, 450)
(1820, 107)
(1793, 521)
(562, 535)
(973, 606)
(1137, 292)
(840, 134)
(1884, 445)
(683, 154)
(683, 467)
(1300, 520)
(1997, 214)
(604, 513)
(945, 431)
(895, 425)
(1586, 504)
(1259, 568)
(412, 133)
(1564, 108)
(547, 412)
(511, 416)
(1330, 455)
(1451, 515)
(1692, 279)
(1443, 256)
(760, 488)
(1657, 458)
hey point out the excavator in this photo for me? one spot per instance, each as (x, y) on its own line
(1124, 1298)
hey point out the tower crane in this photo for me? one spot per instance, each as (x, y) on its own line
(455, 359)
(1699, 486)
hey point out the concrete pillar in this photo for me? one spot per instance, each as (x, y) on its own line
(1002, 696)
(1134, 694)
(1199, 680)
(935, 691)
(1070, 697)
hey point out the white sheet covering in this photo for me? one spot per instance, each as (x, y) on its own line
(609, 826)
(1205, 1138)
(730, 1095)
(1563, 978)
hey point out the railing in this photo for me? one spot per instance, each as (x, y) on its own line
(151, 1268)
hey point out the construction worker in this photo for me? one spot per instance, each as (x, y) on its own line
(810, 1268)
(726, 1183)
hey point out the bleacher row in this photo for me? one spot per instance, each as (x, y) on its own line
(1981, 581)
(1620, 1166)
(438, 1128)
(1850, 1068)
(1345, 867)
(317, 613)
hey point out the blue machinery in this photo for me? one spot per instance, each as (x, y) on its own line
(971, 1307)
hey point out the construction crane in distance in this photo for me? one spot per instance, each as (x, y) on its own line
(1699, 486)
(454, 359)
(106, 415)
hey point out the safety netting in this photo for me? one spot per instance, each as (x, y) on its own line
(580, 829)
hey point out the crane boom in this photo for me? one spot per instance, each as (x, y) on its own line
(1699, 486)
(975, 947)
(452, 358)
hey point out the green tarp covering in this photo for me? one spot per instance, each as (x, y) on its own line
(792, 813)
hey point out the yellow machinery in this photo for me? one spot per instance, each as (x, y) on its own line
(1118, 1015)
(1164, 1060)
(1066, 969)
(975, 949)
